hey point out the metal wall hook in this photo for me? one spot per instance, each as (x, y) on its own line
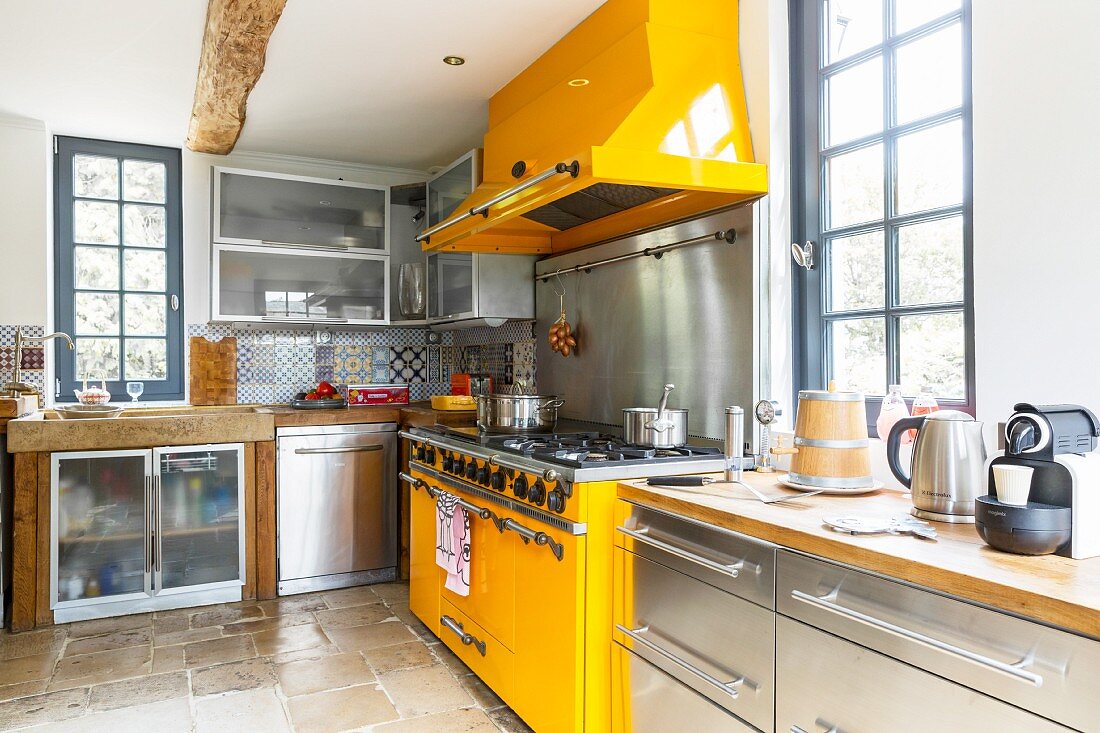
(803, 254)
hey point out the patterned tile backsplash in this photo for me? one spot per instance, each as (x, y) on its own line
(273, 365)
(34, 361)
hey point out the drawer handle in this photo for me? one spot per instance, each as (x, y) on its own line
(530, 535)
(337, 449)
(829, 727)
(732, 571)
(828, 603)
(465, 638)
(730, 688)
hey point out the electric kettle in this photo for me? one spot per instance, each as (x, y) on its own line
(947, 471)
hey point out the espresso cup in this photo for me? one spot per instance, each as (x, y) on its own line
(1013, 483)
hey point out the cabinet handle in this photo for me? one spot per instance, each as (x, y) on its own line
(293, 319)
(828, 603)
(467, 639)
(530, 535)
(148, 524)
(730, 688)
(820, 723)
(337, 449)
(295, 245)
(732, 571)
(158, 563)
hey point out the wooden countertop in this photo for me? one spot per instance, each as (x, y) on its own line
(1049, 588)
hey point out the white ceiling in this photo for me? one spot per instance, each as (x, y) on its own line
(349, 80)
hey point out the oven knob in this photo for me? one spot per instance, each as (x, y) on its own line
(471, 469)
(497, 480)
(519, 487)
(429, 456)
(555, 501)
(448, 463)
(537, 493)
(419, 453)
(483, 475)
(459, 466)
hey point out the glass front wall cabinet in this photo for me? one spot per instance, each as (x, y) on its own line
(141, 530)
(450, 187)
(256, 207)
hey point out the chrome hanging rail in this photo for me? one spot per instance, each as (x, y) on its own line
(727, 235)
(573, 169)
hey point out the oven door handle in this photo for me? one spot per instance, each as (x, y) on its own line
(466, 638)
(732, 571)
(730, 688)
(337, 449)
(434, 492)
(530, 535)
(418, 483)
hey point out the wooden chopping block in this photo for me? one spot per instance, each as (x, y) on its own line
(18, 406)
(213, 369)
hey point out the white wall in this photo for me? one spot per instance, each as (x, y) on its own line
(25, 156)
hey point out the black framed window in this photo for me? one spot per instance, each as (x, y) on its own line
(118, 267)
(882, 131)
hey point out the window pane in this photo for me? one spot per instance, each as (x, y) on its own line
(911, 13)
(144, 270)
(95, 313)
(929, 74)
(95, 222)
(930, 168)
(95, 177)
(853, 187)
(95, 268)
(143, 180)
(143, 226)
(933, 354)
(857, 272)
(146, 359)
(859, 355)
(855, 102)
(930, 262)
(97, 359)
(145, 315)
(851, 26)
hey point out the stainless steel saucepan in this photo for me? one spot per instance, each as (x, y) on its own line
(505, 413)
(656, 428)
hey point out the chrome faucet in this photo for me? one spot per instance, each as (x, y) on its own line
(17, 386)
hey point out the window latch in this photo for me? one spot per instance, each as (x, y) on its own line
(803, 255)
(175, 302)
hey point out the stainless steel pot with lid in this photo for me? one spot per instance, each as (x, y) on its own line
(663, 427)
(505, 413)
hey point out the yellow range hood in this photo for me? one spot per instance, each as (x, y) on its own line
(635, 118)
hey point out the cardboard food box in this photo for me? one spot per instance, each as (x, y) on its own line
(377, 394)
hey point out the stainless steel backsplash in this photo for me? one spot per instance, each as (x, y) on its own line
(685, 319)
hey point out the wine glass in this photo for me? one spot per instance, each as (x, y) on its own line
(135, 389)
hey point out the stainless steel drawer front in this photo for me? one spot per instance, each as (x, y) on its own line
(650, 701)
(737, 564)
(828, 684)
(1048, 671)
(718, 644)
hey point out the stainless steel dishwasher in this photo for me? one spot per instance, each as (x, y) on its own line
(336, 490)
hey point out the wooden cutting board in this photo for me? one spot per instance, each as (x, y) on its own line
(18, 406)
(213, 369)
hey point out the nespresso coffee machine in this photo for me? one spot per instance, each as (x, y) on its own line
(1062, 514)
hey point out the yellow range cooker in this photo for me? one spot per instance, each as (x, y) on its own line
(537, 623)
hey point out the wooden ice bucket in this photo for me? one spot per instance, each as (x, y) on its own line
(830, 433)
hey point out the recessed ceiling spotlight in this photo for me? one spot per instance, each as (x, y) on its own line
(454, 60)
(325, 203)
(578, 82)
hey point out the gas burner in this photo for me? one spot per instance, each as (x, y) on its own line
(596, 457)
(669, 453)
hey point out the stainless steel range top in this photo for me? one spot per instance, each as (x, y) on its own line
(575, 457)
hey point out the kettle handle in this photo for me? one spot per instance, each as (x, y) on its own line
(893, 444)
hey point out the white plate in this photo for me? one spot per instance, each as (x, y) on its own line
(785, 479)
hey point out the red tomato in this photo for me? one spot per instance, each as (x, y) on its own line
(324, 389)
(313, 396)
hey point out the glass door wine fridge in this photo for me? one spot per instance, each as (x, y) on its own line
(142, 530)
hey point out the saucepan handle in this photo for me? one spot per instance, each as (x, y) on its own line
(551, 404)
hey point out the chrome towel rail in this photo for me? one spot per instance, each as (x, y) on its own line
(727, 235)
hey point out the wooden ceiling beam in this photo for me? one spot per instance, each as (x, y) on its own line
(234, 47)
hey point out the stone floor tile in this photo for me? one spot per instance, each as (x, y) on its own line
(23, 689)
(339, 618)
(268, 623)
(99, 667)
(168, 659)
(301, 655)
(372, 636)
(218, 651)
(186, 636)
(48, 708)
(350, 597)
(466, 720)
(138, 691)
(166, 716)
(327, 673)
(248, 674)
(393, 593)
(117, 640)
(289, 639)
(171, 624)
(450, 659)
(222, 615)
(293, 604)
(483, 694)
(424, 690)
(340, 710)
(101, 626)
(29, 643)
(508, 721)
(25, 669)
(399, 656)
(253, 711)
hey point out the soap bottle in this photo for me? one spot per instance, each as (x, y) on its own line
(924, 404)
(893, 409)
